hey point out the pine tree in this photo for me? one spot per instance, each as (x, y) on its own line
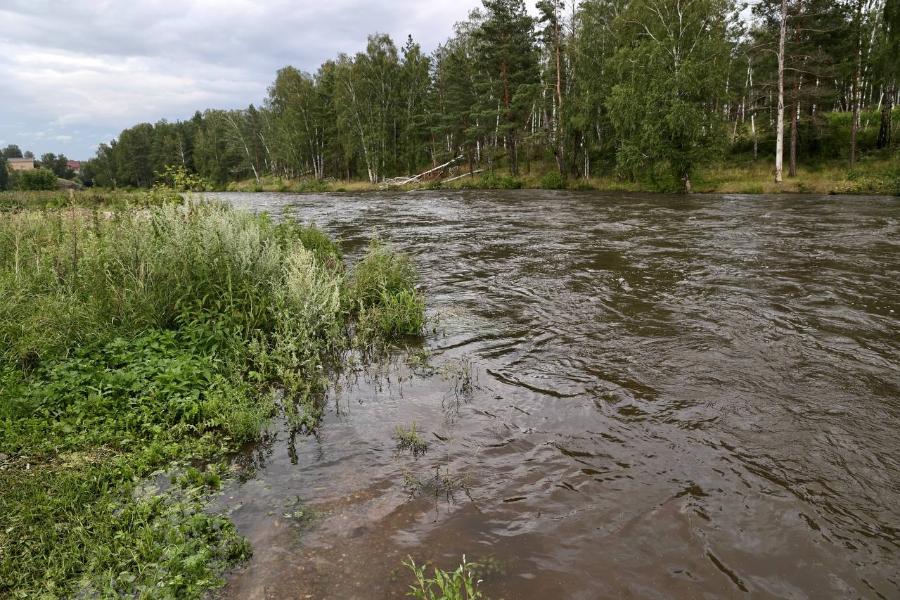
(508, 80)
(455, 127)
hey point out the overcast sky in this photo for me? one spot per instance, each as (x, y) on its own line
(74, 73)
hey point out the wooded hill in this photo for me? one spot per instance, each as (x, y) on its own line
(635, 88)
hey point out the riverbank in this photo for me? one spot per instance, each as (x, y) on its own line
(876, 175)
(139, 349)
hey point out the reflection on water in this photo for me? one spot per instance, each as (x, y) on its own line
(626, 396)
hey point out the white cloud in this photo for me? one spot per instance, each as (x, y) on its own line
(74, 70)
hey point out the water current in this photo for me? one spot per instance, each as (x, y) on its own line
(623, 396)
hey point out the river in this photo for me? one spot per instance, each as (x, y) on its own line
(624, 396)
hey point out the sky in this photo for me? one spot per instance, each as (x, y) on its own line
(74, 73)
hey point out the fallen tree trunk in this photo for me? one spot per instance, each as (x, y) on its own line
(408, 180)
(472, 174)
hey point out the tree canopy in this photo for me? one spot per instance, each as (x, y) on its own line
(637, 88)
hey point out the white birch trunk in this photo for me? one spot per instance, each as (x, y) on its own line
(779, 123)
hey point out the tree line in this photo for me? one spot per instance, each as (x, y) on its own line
(639, 88)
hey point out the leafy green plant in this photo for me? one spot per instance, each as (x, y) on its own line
(402, 313)
(91, 199)
(179, 179)
(460, 584)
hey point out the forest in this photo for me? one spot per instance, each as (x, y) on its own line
(635, 89)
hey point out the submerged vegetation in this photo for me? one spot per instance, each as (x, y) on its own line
(137, 343)
(382, 295)
(460, 584)
(409, 439)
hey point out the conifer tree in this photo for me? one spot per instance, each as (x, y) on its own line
(508, 82)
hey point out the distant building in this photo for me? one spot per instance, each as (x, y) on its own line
(75, 166)
(20, 164)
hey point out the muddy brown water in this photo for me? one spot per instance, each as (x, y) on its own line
(626, 396)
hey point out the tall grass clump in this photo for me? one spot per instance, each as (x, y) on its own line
(135, 341)
(381, 294)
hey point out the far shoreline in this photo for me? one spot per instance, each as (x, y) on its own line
(875, 177)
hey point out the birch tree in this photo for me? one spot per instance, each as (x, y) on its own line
(779, 119)
(670, 73)
(551, 15)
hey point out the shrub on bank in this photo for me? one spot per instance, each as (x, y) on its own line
(492, 181)
(553, 181)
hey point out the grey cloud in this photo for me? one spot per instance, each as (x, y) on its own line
(71, 71)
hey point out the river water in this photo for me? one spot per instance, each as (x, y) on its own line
(624, 396)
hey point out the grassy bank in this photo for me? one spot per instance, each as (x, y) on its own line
(138, 348)
(86, 199)
(877, 174)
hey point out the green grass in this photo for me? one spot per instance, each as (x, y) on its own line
(381, 294)
(137, 343)
(86, 199)
(876, 172)
(460, 584)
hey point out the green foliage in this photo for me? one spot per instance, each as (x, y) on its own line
(608, 88)
(37, 179)
(553, 181)
(11, 151)
(381, 291)
(507, 58)
(58, 164)
(132, 342)
(864, 182)
(461, 584)
(83, 529)
(400, 314)
(128, 392)
(180, 180)
(4, 174)
(667, 76)
(93, 199)
(313, 239)
(311, 186)
(492, 181)
(380, 272)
